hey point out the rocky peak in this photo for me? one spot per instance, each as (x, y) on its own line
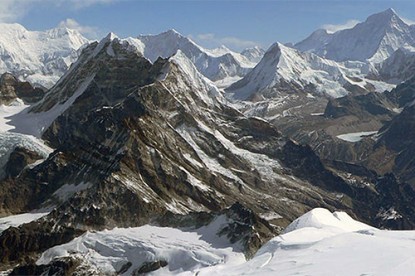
(173, 32)
(166, 44)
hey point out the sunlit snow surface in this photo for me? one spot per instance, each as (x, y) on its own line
(185, 251)
(324, 243)
(38, 57)
(9, 140)
(318, 243)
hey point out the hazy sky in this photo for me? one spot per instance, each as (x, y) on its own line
(237, 24)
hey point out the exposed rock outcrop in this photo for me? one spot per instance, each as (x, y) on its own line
(11, 89)
(19, 159)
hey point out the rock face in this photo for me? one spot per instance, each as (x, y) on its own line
(19, 159)
(242, 226)
(60, 267)
(403, 94)
(393, 149)
(11, 89)
(372, 104)
(397, 139)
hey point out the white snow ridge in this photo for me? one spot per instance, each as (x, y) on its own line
(317, 243)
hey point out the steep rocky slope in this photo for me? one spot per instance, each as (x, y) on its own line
(396, 139)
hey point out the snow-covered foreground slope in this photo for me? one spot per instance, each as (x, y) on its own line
(318, 243)
(324, 243)
(38, 57)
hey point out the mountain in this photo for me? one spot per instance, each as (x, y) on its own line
(284, 70)
(217, 64)
(40, 58)
(136, 162)
(132, 143)
(374, 40)
(395, 139)
(324, 243)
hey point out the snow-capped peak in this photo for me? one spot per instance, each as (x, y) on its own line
(217, 64)
(387, 18)
(220, 51)
(385, 15)
(36, 56)
(108, 38)
(191, 79)
(282, 65)
(166, 44)
(106, 42)
(111, 36)
(173, 31)
(373, 40)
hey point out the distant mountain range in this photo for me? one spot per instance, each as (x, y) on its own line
(373, 55)
(43, 57)
(216, 64)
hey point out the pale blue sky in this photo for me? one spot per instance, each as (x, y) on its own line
(237, 24)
